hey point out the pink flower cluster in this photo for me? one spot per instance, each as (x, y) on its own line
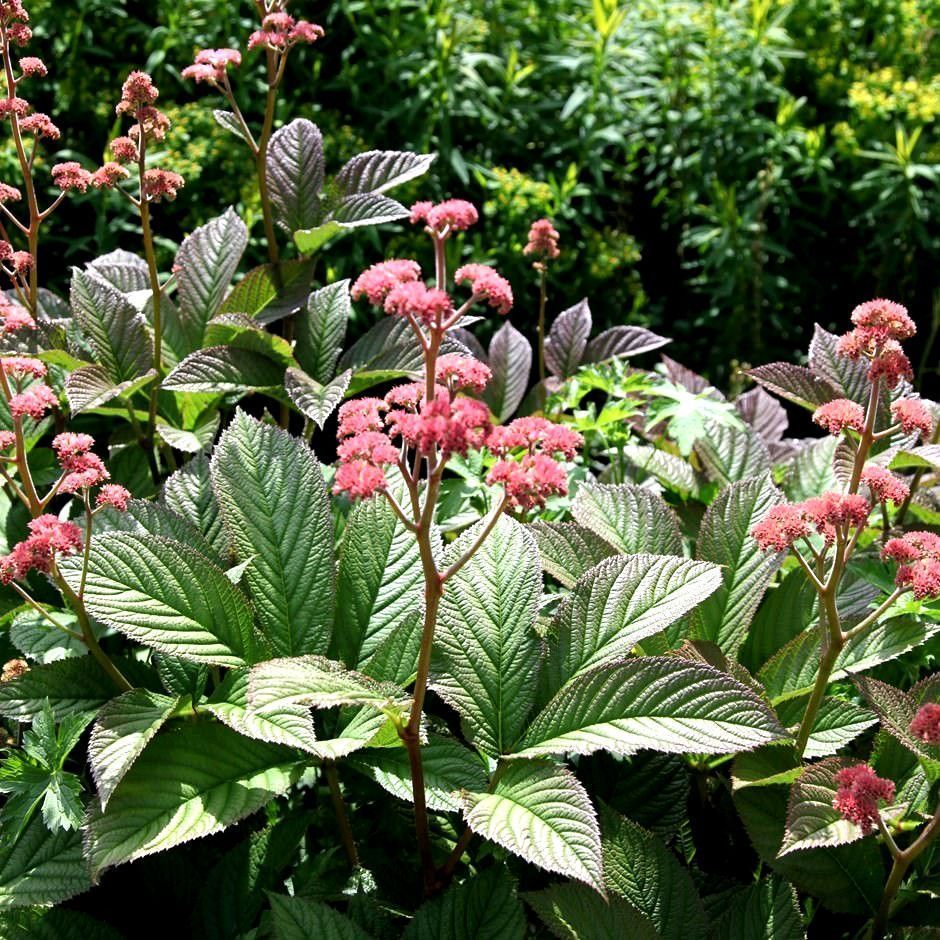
(377, 281)
(138, 97)
(47, 537)
(23, 366)
(13, 106)
(113, 495)
(9, 194)
(41, 125)
(211, 65)
(529, 481)
(880, 327)
(124, 150)
(858, 794)
(840, 415)
(456, 372)
(81, 467)
(279, 31)
(162, 184)
(918, 558)
(926, 724)
(427, 305)
(109, 175)
(913, 416)
(34, 402)
(452, 215)
(786, 523)
(31, 67)
(452, 425)
(14, 17)
(486, 285)
(71, 177)
(543, 242)
(13, 318)
(884, 484)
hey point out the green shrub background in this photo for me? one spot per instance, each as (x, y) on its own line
(724, 172)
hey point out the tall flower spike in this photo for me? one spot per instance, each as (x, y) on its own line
(543, 241)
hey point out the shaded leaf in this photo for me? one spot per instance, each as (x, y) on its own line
(567, 339)
(510, 359)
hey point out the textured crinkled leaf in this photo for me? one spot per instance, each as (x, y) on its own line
(388, 349)
(540, 812)
(792, 671)
(732, 453)
(122, 269)
(811, 472)
(295, 918)
(244, 332)
(295, 174)
(849, 376)
(375, 171)
(484, 907)
(191, 781)
(39, 641)
(190, 441)
(228, 120)
(54, 924)
(396, 658)
(116, 331)
(672, 471)
(321, 329)
(812, 820)
(838, 723)
(41, 867)
(567, 339)
(275, 508)
(767, 910)
(206, 262)
(124, 727)
(657, 703)
(167, 596)
(725, 539)
(623, 341)
(380, 584)
(367, 209)
(181, 677)
(683, 376)
(485, 647)
(286, 724)
(315, 401)
(567, 550)
(188, 493)
(795, 383)
(763, 413)
(449, 767)
(896, 709)
(318, 682)
(91, 387)
(510, 360)
(574, 912)
(224, 369)
(268, 292)
(617, 604)
(144, 517)
(630, 518)
(640, 868)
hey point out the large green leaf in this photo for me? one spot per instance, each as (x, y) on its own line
(617, 604)
(294, 918)
(188, 492)
(838, 722)
(313, 400)
(449, 768)
(191, 781)
(270, 292)
(41, 867)
(321, 329)
(486, 646)
(810, 472)
(640, 868)
(732, 453)
(125, 726)
(567, 549)
(725, 539)
(540, 811)
(484, 907)
(660, 703)
(295, 174)
(54, 924)
(167, 596)
(630, 518)
(116, 331)
(276, 511)
(574, 912)
(767, 910)
(92, 386)
(380, 583)
(375, 171)
(225, 369)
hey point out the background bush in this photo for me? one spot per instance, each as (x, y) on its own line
(718, 170)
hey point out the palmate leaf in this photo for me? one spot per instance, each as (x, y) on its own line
(41, 867)
(295, 174)
(659, 703)
(567, 339)
(485, 644)
(484, 907)
(540, 812)
(510, 359)
(630, 518)
(567, 550)
(449, 768)
(380, 584)
(314, 401)
(574, 912)
(167, 596)
(206, 261)
(294, 918)
(641, 869)
(321, 329)
(188, 492)
(191, 781)
(725, 539)
(767, 910)
(812, 820)
(275, 509)
(617, 604)
(125, 726)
